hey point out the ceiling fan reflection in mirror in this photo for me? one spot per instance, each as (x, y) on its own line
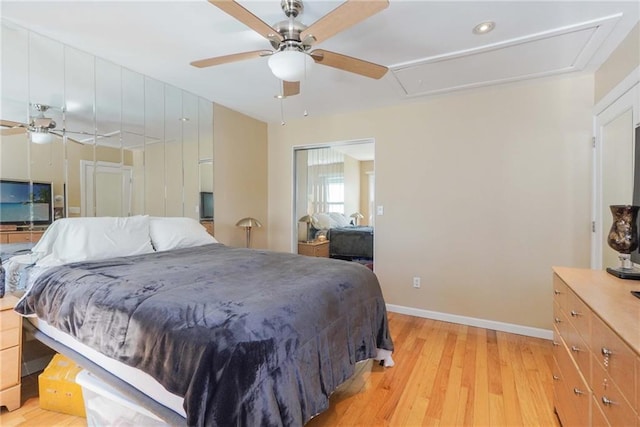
(293, 58)
(41, 129)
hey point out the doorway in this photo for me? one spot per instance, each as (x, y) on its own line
(111, 185)
(334, 189)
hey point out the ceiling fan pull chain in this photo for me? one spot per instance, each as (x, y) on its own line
(282, 122)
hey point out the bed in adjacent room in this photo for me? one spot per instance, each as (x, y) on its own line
(204, 334)
(346, 240)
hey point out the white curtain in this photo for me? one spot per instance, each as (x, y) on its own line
(325, 184)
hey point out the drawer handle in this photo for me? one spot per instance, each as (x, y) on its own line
(606, 352)
(557, 320)
(556, 343)
(607, 402)
(556, 378)
(577, 391)
(556, 292)
(575, 313)
(575, 348)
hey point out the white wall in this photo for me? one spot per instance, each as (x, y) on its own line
(483, 192)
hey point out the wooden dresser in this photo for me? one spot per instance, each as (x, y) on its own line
(10, 353)
(596, 351)
(20, 236)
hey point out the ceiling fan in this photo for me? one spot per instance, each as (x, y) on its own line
(292, 40)
(41, 129)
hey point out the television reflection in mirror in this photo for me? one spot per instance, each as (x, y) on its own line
(26, 203)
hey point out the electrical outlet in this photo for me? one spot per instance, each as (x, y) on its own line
(416, 282)
(380, 210)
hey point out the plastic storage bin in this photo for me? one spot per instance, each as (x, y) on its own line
(58, 388)
(106, 406)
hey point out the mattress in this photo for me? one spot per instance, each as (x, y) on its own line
(134, 377)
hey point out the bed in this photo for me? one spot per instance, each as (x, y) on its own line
(346, 240)
(220, 336)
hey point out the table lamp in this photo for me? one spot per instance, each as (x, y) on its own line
(309, 220)
(356, 216)
(248, 223)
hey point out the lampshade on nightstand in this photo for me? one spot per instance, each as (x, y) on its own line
(356, 217)
(248, 223)
(309, 221)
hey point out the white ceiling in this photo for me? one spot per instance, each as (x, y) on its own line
(429, 46)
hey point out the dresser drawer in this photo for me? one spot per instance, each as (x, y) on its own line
(637, 404)
(9, 367)
(560, 321)
(621, 360)
(9, 320)
(576, 392)
(579, 315)
(10, 338)
(560, 291)
(597, 417)
(24, 237)
(576, 345)
(610, 399)
(562, 399)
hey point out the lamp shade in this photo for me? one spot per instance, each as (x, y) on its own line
(290, 65)
(248, 222)
(39, 136)
(309, 219)
(357, 215)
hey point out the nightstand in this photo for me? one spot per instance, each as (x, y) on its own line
(318, 249)
(10, 353)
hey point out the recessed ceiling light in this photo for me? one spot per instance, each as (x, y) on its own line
(484, 27)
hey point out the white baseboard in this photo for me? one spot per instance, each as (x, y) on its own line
(472, 321)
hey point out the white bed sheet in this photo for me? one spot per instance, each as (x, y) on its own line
(135, 377)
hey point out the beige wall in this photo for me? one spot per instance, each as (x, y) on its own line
(483, 191)
(240, 176)
(620, 63)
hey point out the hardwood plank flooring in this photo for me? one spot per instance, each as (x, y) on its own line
(445, 375)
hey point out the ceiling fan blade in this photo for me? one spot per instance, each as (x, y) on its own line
(247, 18)
(342, 17)
(290, 88)
(348, 63)
(12, 131)
(11, 124)
(209, 62)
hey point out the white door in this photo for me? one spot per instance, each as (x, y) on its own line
(614, 171)
(110, 183)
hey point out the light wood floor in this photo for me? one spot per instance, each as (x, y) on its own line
(445, 375)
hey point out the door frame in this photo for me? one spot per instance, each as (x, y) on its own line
(624, 97)
(87, 189)
(294, 180)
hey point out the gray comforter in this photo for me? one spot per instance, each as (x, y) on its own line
(248, 337)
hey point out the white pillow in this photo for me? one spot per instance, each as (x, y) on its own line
(178, 232)
(324, 221)
(339, 218)
(84, 239)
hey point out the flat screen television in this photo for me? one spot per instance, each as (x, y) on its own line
(25, 203)
(206, 205)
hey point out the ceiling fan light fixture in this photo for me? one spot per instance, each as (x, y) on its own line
(290, 65)
(41, 136)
